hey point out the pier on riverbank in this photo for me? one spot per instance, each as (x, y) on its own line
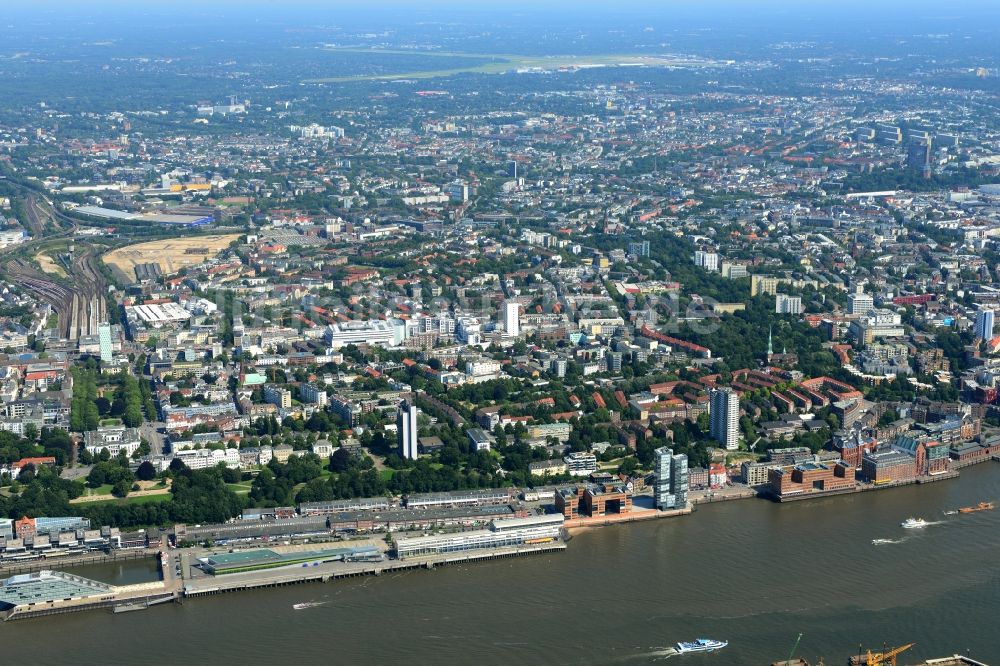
(144, 595)
(324, 573)
(619, 518)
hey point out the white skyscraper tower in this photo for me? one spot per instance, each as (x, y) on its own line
(406, 430)
(725, 418)
(511, 323)
(984, 324)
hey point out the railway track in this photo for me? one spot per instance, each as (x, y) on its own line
(80, 305)
(37, 228)
(89, 308)
(34, 222)
(39, 214)
(60, 297)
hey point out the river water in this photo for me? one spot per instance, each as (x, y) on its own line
(751, 572)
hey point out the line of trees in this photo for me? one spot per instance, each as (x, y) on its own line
(84, 414)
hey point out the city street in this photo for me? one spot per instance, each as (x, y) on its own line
(152, 432)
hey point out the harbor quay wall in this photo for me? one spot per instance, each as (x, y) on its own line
(143, 595)
(284, 576)
(860, 488)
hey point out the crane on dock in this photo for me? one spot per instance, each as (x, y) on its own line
(886, 658)
(794, 648)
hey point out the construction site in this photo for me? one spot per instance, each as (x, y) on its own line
(170, 254)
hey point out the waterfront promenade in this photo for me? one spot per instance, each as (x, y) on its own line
(197, 584)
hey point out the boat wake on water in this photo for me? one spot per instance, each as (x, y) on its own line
(662, 653)
(911, 524)
(654, 654)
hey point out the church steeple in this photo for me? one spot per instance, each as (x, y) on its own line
(770, 345)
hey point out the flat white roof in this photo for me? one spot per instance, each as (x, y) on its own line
(161, 312)
(109, 213)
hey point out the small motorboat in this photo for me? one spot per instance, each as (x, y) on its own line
(307, 604)
(701, 645)
(914, 523)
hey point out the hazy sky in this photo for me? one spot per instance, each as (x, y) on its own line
(376, 11)
(646, 23)
(707, 7)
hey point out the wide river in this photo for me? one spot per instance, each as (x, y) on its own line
(751, 572)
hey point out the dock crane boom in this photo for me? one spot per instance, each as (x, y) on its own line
(794, 648)
(886, 658)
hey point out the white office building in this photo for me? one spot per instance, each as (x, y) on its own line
(206, 458)
(469, 331)
(581, 463)
(406, 430)
(860, 303)
(724, 419)
(312, 394)
(708, 260)
(315, 131)
(114, 440)
(373, 332)
(785, 304)
(511, 321)
(877, 324)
